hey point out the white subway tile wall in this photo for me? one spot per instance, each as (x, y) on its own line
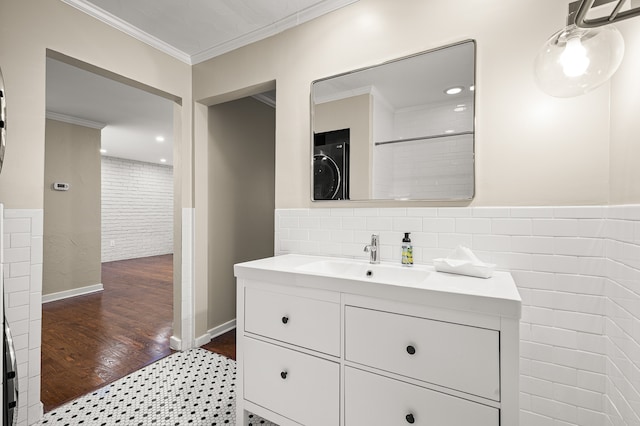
(426, 168)
(23, 303)
(577, 270)
(622, 319)
(137, 209)
(443, 163)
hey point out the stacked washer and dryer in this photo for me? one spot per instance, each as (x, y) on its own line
(331, 165)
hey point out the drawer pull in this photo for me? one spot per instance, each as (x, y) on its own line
(410, 419)
(283, 374)
(285, 320)
(411, 350)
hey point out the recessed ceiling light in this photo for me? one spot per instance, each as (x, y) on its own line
(472, 88)
(454, 90)
(163, 160)
(160, 138)
(460, 108)
(449, 131)
(103, 151)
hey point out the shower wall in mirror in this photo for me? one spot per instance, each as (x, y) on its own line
(402, 130)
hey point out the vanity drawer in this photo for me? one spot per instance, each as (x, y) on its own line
(301, 387)
(452, 355)
(371, 399)
(305, 322)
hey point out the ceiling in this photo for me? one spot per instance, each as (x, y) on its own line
(196, 30)
(189, 30)
(417, 80)
(131, 119)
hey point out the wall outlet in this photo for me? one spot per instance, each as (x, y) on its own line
(112, 243)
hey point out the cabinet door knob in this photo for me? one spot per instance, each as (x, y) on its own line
(410, 419)
(285, 320)
(283, 374)
(411, 350)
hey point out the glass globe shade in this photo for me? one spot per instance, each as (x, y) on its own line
(576, 60)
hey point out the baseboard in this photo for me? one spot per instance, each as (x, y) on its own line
(215, 332)
(221, 329)
(72, 293)
(202, 340)
(178, 344)
(175, 343)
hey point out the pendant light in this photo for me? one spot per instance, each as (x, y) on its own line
(577, 60)
(583, 55)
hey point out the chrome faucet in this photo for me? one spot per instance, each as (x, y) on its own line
(372, 249)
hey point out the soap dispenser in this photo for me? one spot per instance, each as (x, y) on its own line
(407, 250)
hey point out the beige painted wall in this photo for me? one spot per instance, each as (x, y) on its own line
(241, 196)
(353, 113)
(531, 149)
(27, 29)
(71, 238)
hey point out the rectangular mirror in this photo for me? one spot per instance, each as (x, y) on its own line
(402, 130)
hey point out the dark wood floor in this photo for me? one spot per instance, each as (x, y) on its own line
(90, 341)
(225, 344)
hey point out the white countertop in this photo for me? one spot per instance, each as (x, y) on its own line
(497, 295)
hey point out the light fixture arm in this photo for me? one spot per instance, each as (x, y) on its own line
(582, 7)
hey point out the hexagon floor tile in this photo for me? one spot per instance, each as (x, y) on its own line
(194, 387)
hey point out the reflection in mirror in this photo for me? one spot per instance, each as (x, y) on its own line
(402, 130)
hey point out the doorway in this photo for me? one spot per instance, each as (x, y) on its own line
(108, 302)
(240, 189)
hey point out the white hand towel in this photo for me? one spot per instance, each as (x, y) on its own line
(462, 261)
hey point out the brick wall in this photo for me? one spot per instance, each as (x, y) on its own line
(137, 209)
(578, 273)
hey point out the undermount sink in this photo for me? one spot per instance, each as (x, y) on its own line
(382, 273)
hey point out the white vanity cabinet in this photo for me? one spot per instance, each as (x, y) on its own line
(371, 399)
(321, 349)
(296, 385)
(307, 322)
(452, 355)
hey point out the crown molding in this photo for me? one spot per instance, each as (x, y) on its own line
(291, 21)
(129, 29)
(265, 100)
(323, 8)
(75, 120)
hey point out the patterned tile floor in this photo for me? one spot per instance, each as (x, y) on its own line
(195, 387)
